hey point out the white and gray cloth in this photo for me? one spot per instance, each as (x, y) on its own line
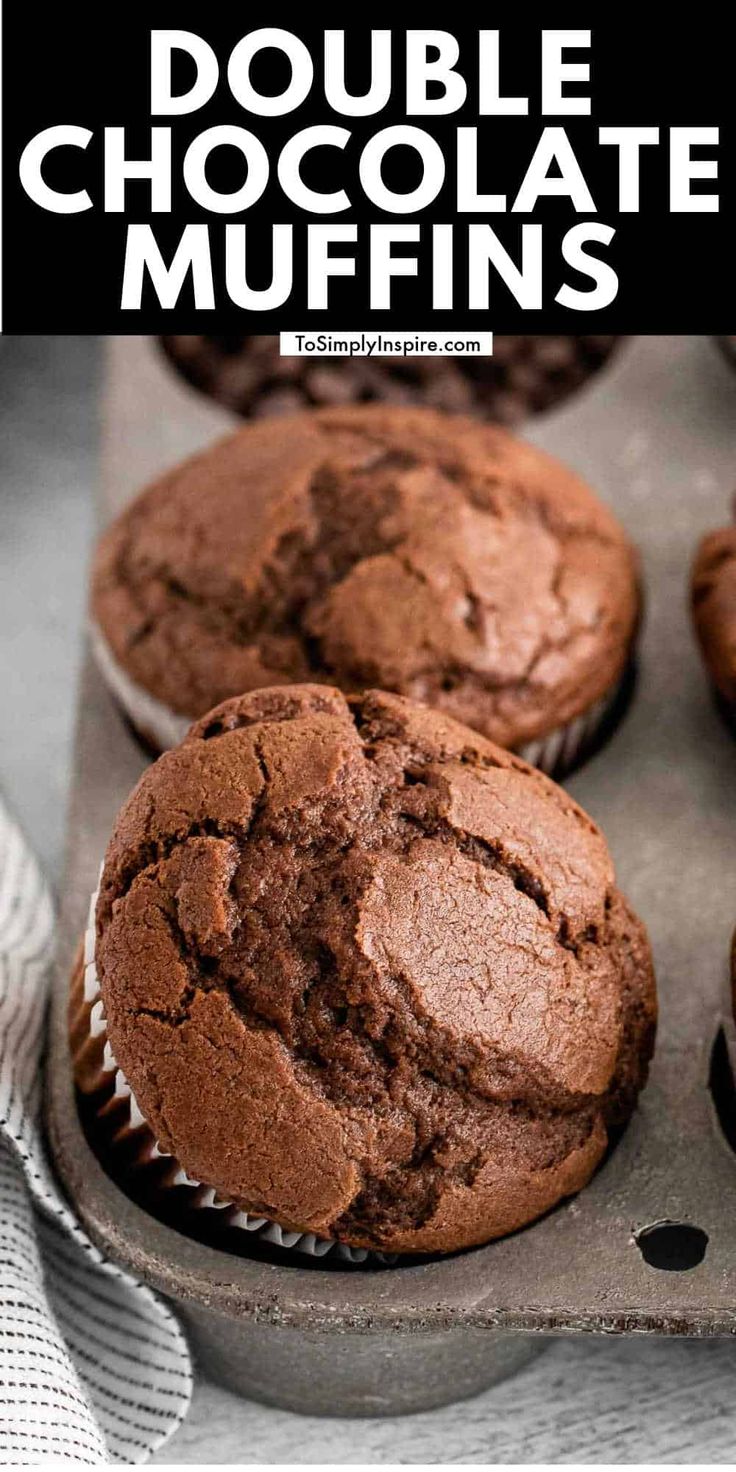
(94, 1368)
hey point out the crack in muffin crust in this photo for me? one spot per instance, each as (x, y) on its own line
(369, 975)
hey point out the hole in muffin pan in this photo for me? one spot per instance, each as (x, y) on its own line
(672, 1247)
(527, 374)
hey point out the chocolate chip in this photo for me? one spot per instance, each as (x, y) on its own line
(525, 375)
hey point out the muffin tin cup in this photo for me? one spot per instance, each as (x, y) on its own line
(131, 1145)
(655, 435)
(307, 1363)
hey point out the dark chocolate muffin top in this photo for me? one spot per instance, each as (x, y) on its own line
(424, 553)
(714, 607)
(369, 975)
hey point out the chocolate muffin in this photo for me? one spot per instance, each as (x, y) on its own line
(525, 375)
(713, 596)
(424, 553)
(368, 975)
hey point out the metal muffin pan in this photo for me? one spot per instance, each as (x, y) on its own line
(656, 436)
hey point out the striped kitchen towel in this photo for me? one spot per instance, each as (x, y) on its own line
(94, 1368)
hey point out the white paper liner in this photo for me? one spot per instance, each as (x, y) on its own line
(154, 721)
(202, 1197)
(558, 751)
(554, 754)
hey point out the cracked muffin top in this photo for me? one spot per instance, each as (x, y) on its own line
(714, 607)
(424, 553)
(369, 975)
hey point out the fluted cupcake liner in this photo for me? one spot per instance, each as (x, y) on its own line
(154, 721)
(560, 751)
(100, 1078)
(556, 754)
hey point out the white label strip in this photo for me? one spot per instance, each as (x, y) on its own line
(374, 344)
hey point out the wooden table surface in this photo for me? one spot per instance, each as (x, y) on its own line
(597, 1401)
(592, 1400)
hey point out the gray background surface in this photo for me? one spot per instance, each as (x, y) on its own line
(585, 1401)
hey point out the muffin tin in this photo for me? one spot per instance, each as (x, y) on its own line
(650, 1245)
